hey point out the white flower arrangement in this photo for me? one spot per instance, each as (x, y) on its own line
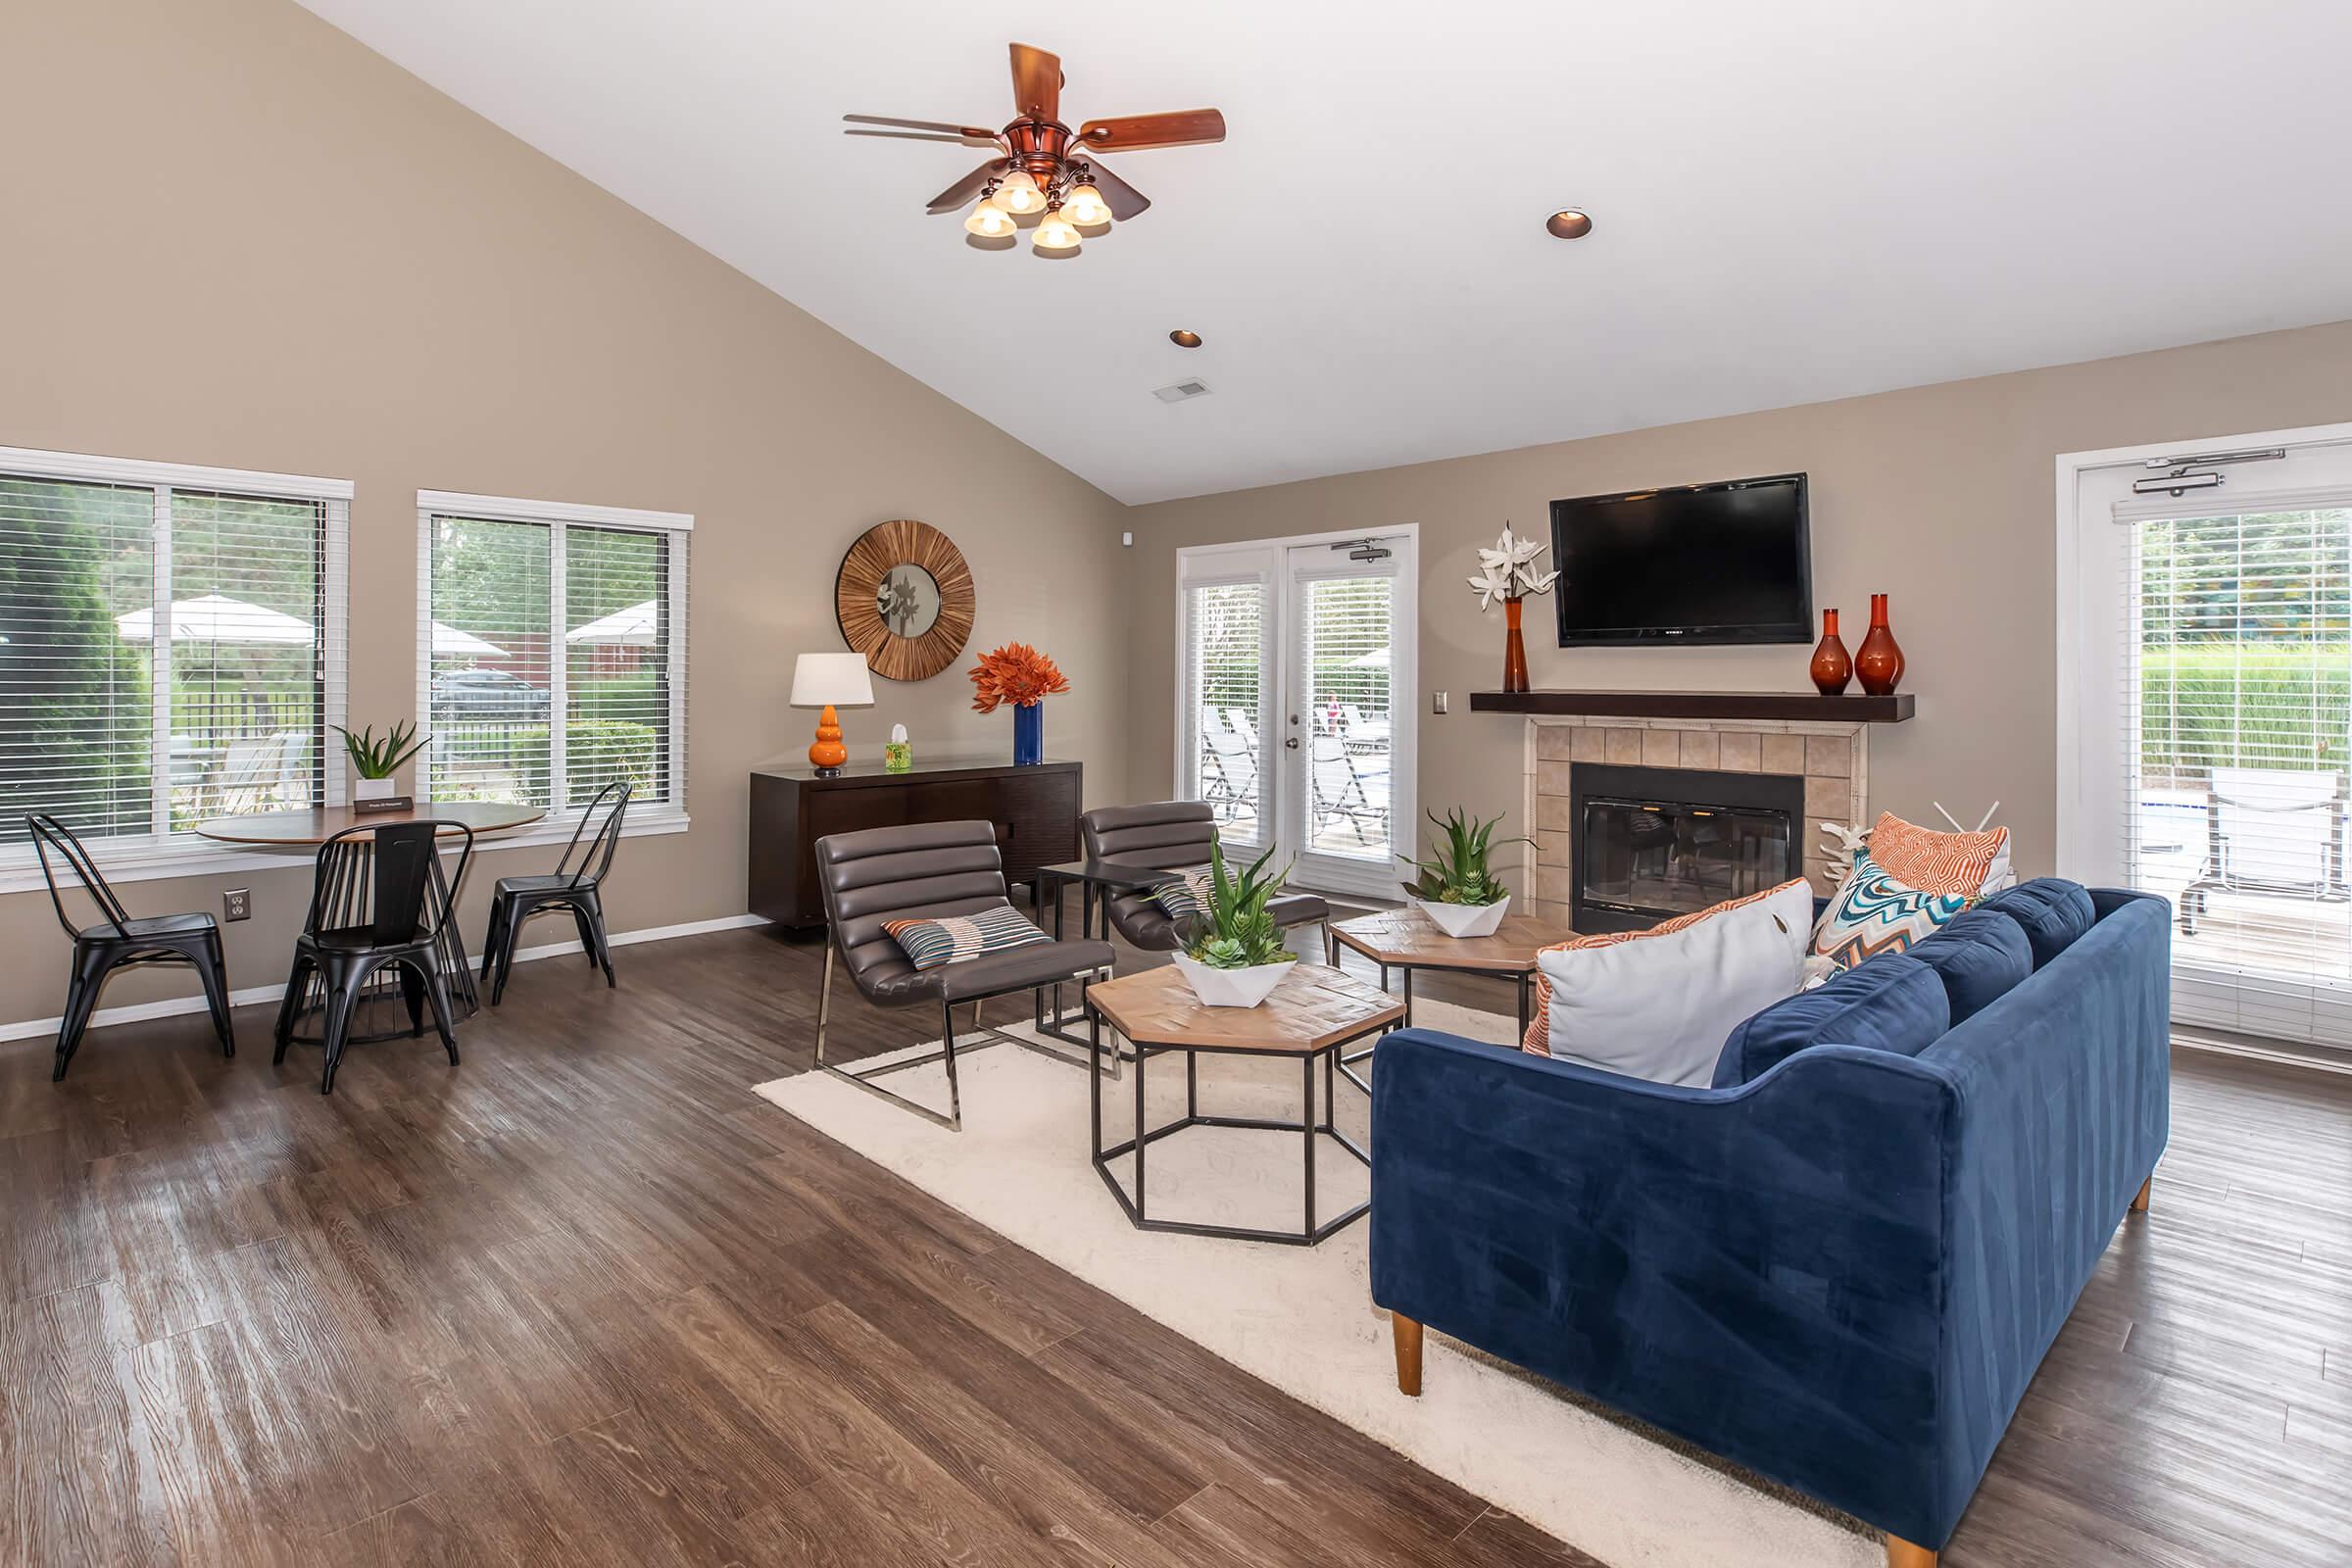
(1508, 570)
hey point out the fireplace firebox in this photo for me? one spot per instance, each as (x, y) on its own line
(1647, 844)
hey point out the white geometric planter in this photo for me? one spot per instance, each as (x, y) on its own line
(1231, 988)
(375, 788)
(1466, 919)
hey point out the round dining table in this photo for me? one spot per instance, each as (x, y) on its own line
(312, 826)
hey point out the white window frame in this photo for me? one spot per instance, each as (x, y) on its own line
(669, 816)
(147, 856)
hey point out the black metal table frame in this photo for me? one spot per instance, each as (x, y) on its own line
(1054, 1021)
(1307, 1127)
(1525, 980)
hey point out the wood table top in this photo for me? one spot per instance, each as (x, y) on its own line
(1313, 1009)
(318, 823)
(1406, 936)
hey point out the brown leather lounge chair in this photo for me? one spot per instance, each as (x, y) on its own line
(928, 871)
(1171, 835)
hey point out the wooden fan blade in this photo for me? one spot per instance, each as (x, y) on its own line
(1036, 82)
(980, 132)
(1153, 130)
(925, 135)
(965, 189)
(1123, 199)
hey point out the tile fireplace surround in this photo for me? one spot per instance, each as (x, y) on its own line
(1833, 759)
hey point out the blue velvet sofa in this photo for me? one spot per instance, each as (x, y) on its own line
(1840, 1265)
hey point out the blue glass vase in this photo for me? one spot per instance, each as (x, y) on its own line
(1028, 734)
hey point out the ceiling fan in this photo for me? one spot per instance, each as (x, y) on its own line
(1044, 168)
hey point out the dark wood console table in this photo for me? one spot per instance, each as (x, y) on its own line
(1035, 810)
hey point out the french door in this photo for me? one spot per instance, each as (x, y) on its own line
(1295, 702)
(2206, 740)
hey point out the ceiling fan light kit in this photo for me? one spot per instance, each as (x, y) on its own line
(1035, 171)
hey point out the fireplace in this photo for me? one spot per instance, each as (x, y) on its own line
(1647, 844)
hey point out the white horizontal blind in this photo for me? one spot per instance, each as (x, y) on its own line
(1345, 629)
(1226, 721)
(552, 652)
(2237, 716)
(130, 737)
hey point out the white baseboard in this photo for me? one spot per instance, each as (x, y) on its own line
(248, 996)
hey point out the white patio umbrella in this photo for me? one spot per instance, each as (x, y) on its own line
(217, 618)
(637, 626)
(1377, 658)
(456, 644)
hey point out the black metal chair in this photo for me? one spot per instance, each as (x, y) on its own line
(122, 941)
(516, 898)
(929, 871)
(377, 902)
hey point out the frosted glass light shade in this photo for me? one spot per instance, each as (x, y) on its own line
(1085, 206)
(990, 222)
(839, 679)
(1019, 193)
(1055, 234)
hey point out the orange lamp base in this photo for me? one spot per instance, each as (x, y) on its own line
(828, 754)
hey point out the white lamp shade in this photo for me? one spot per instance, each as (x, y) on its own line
(840, 679)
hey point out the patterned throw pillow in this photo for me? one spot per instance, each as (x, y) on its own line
(1933, 861)
(1185, 897)
(954, 938)
(1876, 912)
(1539, 1029)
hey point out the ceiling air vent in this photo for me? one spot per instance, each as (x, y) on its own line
(1180, 392)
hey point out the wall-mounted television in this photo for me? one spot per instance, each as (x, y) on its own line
(1727, 563)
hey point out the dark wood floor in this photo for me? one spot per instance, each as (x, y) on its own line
(585, 1299)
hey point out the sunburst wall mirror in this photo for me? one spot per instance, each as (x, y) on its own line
(904, 598)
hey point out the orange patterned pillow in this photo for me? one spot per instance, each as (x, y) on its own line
(1539, 1030)
(1941, 863)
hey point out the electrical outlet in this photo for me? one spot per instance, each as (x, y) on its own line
(237, 905)
(1437, 702)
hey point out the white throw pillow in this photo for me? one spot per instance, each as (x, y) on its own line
(1661, 1007)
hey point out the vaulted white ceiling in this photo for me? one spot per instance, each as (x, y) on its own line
(1793, 202)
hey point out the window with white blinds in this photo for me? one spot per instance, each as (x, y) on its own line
(1224, 713)
(170, 646)
(552, 649)
(2238, 719)
(1346, 626)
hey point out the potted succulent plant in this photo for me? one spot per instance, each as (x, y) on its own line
(1456, 888)
(1233, 955)
(376, 760)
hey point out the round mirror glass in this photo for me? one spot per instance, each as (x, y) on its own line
(907, 601)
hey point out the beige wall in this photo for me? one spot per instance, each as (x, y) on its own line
(236, 237)
(1940, 496)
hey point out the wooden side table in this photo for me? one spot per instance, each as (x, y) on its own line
(1312, 1015)
(1408, 940)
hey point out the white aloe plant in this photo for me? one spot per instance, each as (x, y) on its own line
(1508, 570)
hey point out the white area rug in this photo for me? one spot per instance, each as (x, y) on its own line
(1302, 1318)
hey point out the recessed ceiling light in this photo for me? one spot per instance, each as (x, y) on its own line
(1184, 339)
(1569, 222)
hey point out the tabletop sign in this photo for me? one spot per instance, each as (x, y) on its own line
(382, 804)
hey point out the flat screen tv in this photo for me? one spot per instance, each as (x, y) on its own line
(1699, 563)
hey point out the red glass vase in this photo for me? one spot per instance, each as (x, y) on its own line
(1833, 667)
(1514, 648)
(1879, 665)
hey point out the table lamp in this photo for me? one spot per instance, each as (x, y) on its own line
(830, 681)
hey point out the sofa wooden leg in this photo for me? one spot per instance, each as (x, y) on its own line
(2140, 1204)
(1901, 1554)
(1409, 1351)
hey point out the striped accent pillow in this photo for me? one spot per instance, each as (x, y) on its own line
(1538, 1028)
(1185, 897)
(1933, 861)
(1876, 912)
(955, 938)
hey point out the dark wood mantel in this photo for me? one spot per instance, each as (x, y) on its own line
(1852, 708)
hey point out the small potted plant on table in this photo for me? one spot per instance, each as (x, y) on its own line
(1456, 890)
(376, 760)
(1233, 955)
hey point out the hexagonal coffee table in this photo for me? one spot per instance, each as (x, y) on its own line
(1313, 1013)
